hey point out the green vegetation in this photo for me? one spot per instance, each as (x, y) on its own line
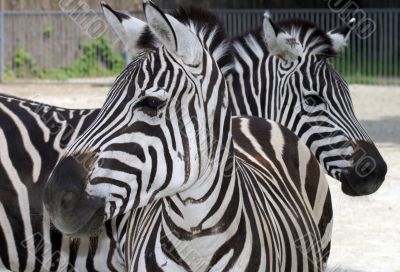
(358, 68)
(23, 65)
(8, 73)
(48, 32)
(96, 60)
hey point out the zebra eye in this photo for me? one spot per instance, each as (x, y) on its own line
(314, 100)
(150, 104)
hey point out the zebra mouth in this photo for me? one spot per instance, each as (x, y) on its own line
(352, 186)
(92, 227)
(348, 190)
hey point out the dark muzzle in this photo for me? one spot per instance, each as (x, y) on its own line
(71, 210)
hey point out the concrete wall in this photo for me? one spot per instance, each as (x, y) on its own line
(18, 5)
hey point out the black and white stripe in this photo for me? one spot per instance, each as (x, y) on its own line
(200, 191)
(32, 138)
(312, 116)
(281, 72)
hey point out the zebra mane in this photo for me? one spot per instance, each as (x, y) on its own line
(313, 38)
(208, 28)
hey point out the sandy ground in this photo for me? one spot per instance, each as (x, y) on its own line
(367, 230)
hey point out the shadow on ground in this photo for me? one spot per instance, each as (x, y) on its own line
(340, 268)
(343, 270)
(385, 130)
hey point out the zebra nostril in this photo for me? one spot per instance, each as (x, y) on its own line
(68, 199)
(366, 168)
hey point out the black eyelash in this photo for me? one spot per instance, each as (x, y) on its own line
(150, 105)
(314, 100)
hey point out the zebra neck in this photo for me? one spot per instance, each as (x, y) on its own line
(199, 211)
(258, 81)
(203, 218)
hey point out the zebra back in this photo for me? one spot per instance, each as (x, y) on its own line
(33, 137)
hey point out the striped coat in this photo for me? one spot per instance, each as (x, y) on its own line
(32, 138)
(197, 190)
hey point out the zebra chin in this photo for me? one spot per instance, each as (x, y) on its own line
(368, 171)
(71, 210)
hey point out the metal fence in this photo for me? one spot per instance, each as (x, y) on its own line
(59, 45)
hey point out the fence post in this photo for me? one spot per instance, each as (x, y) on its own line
(2, 37)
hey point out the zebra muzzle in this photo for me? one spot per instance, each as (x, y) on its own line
(71, 209)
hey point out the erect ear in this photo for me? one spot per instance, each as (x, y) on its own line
(175, 36)
(127, 28)
(340, 36)
(279, 42)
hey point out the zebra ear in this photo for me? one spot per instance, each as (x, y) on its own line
(340, 36)
(176, 37)
(279, 42)
(127, 28)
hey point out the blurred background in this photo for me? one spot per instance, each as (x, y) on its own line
(61, 52)
(67, 39)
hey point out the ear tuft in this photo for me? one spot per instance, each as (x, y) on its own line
(175, 36)
(340, 36)
(120, 16)
(127, 28)
(279, 42)
(267, 14)
(271, 30)
(160, 25)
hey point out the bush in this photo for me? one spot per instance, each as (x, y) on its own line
(23, 65)
(97, 60)
(48, 32)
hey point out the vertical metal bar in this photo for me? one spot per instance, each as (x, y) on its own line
(370, 48)
(396, 46)
(348, 55)
(364, 63)
(237, 24)
(11, 39)
(357, 47)
(2, 42)
(374, 47)
(391, 53)
(228, 21)
(381, 46)
(385, 48)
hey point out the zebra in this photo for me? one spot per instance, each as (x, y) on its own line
(5, 252)
(35, 135)
(32, 138)
(77, 113)
(167, 155)
(94, 114)
(281, 72)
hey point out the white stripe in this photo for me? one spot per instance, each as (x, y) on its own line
(11, 248)
(21, 190)
(29, 147)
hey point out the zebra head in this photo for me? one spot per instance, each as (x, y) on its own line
(162, 127)
(285, 70)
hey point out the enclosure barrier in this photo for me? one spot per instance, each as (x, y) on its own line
(57, 45)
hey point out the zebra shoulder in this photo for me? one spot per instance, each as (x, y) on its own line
(281, 149)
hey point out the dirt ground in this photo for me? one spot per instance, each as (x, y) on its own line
(366, 234)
